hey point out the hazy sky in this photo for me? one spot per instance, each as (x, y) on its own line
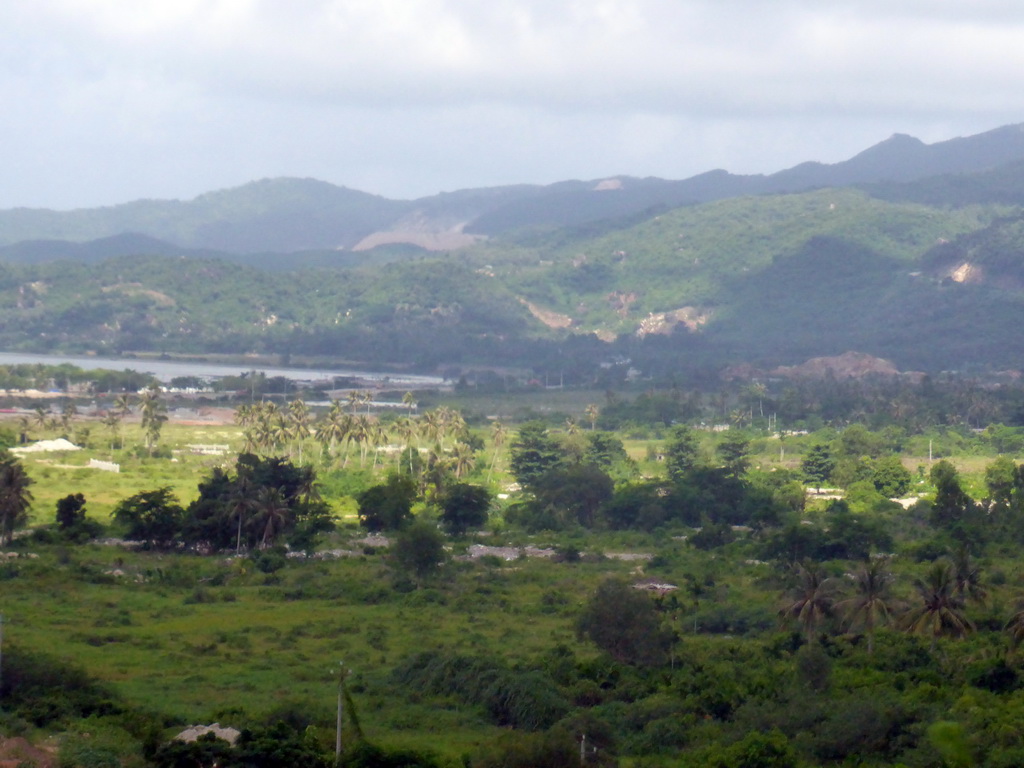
(106, 101)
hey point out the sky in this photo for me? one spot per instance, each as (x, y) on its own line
(107, 101)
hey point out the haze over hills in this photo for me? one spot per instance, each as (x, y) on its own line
(290, 215)
(907, 251)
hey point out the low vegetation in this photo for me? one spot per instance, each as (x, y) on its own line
(521, 594)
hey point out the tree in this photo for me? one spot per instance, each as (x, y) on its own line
(154, 416)
(953, 509)
(112, 421)
(273, 515)
(940, 611)
(574, 494)
(388, 506)
(533, 453)
(869, 605)
(624, 623)
(681, 453)
(818, 464)
(498, 434)
(811, 600)
(152, 516)
(890, 477)
(733, 451)
(967, 576)
(419, 549)
(15, 497)
(464, 506)
(1001, 480)
(70, 511)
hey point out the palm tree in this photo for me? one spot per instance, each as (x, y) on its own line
(463, 459)
(123, 404)
(112, 421)
(406, 429)
(360, 434)
(298, 417)
(244, 500)
(433, 425)
(354, 398)
(41, 416)
(334, 428)
(273, 514)
(24, 424)
(941, 609)
(68, 414)
(498, 434)
(409, 401)
(154, 415)
(592, 412)
(811, 601)
(1015, 626)
(15, 497)
(968, 576)
(870, 603)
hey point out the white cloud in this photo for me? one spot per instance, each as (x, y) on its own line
(468, 92)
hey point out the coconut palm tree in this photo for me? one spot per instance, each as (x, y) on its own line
(334, 428)
(968, 576)
(123, 404)
(68, 413)
(592, 412)
(299, 418)
(272, 514)
(869, 606)
(24, 424)
(243, 502)
(498, 434)
(1015, 626)
(463, 459)
(15, 497)
(811, 600)
(112, 421)
(154, 415)
(406, 429)
(941, 609)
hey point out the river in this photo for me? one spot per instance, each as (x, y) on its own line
(165, 370)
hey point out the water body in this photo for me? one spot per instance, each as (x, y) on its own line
(165, 370)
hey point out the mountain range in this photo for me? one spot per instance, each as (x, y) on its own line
(907, 250)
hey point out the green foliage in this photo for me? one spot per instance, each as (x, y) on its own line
(525, 699)
(151, 516)
(890, 477)
(418, 549)
(464, 506)
(388, 506)
(533, 453)
(681, 453)
(624, 623)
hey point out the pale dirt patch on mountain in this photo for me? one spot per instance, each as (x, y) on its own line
(665, 322)
(967, 273)
(136, 289)
(546, 316)
(424, 231)
(849, 365)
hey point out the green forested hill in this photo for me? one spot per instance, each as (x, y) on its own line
(691, 256)
(771, 279)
